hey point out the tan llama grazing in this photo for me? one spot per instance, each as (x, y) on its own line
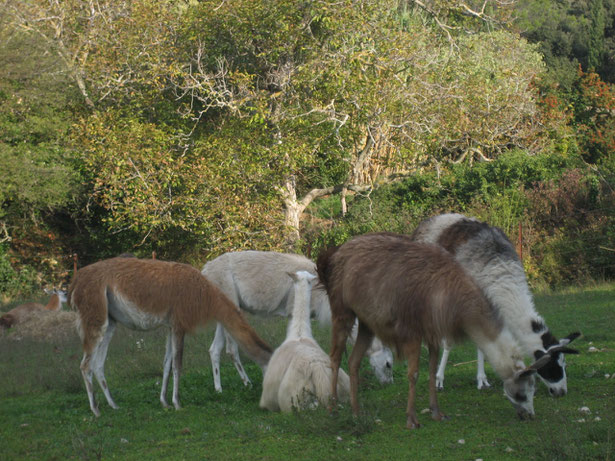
(407, 292)
(18, 314)
(143, 294)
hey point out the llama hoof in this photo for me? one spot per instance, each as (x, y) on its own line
(483, 384)
(439, 417)
(413, 426)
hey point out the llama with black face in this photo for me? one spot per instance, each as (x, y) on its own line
(489, 257)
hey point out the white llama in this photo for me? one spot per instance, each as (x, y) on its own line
(299, 372)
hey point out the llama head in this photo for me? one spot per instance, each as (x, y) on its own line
(381, 361)
(553, 374)
(302, 276)
(520, 388)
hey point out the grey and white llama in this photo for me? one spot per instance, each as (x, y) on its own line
(489, 257)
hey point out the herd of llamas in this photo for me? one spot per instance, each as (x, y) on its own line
(454, 278)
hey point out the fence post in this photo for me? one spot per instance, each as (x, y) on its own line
(520, 242)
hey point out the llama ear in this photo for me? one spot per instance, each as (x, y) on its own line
(562, 349)
(541, 362)
(524, 373)
(293, 276)
(568, 339)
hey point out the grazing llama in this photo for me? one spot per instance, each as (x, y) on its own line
(487, 255)
(143, 294)
(258, 282)
(18, 314)
(406, 293)
(299, 372)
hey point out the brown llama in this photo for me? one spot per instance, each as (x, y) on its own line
(143, 294)
(405, 293)
(18, 314)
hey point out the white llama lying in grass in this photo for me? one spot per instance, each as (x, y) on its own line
(299, 372)
(258, 282)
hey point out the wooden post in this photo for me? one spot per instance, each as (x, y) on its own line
(153, 254)
(520, 242)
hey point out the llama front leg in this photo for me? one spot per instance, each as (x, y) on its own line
(433, 393)
(440, 373)
(481, 377)
(413, 352)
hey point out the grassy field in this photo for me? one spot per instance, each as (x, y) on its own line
(44, 412)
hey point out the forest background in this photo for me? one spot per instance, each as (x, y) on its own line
(191, 128)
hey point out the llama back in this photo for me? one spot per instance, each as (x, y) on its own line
(437, 296)
(242, 274)
(487, 254)
(154, 285)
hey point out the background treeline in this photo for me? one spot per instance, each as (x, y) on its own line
(191, 128)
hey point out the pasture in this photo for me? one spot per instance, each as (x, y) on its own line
(44, 413)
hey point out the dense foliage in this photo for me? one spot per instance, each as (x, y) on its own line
(194, 128)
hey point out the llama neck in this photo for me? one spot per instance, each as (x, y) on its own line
(54, 303)
(515, 305)
(299, 325)
(503, 353)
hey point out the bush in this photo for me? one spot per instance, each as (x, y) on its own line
(564, 208)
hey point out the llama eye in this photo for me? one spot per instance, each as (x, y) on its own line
(520, 397)
(388, 365)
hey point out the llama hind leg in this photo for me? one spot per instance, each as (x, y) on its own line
(363, 341)
(340, 330)
(233, 350)
(177, 342)
(433, 393)
(86, 372)
(440, 373)
(166, 370)
(412, 352)
(98, 362)
(89, 361)
(215, 350)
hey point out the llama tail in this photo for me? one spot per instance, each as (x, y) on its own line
(323, 266)
(252, 344)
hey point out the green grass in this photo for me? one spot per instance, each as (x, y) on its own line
(44, 412)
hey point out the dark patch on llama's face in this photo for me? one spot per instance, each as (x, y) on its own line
(538, 326)
(548, 340)
(553, 371)
(459, 233)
